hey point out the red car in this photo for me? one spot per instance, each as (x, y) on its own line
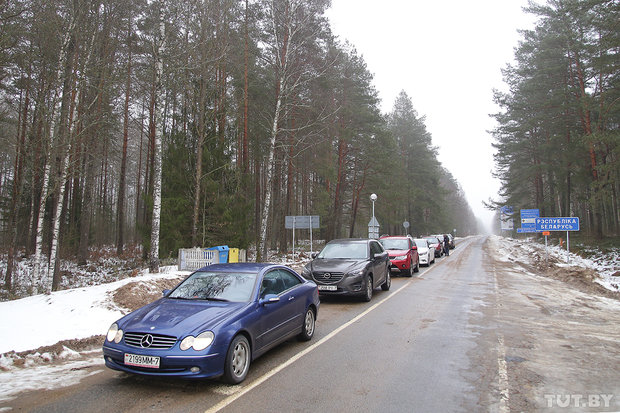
(403, 254)
(437, 244)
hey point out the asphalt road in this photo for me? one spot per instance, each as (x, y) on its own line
(467, 334)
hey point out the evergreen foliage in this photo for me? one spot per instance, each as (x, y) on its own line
(68, 67)
(558, 136)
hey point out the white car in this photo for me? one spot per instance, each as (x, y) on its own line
(425, 251)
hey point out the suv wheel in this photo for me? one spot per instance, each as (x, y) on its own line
(369, 287)
(388, 281)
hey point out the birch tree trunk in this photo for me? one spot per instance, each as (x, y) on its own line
(122, 184)
(160, 48)
(62, 58)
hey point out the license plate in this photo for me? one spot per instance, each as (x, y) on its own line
(327, 288)
(142, 361)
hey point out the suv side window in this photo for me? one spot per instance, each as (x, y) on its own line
(375, 248)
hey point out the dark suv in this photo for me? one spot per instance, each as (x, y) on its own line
(350, 267)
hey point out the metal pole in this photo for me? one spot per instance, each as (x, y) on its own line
(567, 248)
(310, 235)
(294, 238)
(546, 251)
(373, 210)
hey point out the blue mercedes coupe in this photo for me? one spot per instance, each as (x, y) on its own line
(214, 323)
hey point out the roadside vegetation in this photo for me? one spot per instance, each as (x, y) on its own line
(178, 124)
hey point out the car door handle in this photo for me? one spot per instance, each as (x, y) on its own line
(291, 298)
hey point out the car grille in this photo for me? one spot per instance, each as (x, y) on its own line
(328, 277)
(147, 340)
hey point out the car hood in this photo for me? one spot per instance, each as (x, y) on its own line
(336, 265)
(171, 315)
(396, 253)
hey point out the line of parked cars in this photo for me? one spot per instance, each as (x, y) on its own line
(223, 316)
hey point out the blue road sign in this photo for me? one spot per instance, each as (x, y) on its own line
(557, 224)
(524, 230)
(528, 219)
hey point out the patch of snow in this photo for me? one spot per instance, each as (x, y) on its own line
(42, 320)
(605, 264)
(46, 377)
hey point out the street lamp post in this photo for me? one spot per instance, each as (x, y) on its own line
(373, 225)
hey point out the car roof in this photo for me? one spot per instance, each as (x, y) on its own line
(240, 267)
(395, 237)
(347, 240)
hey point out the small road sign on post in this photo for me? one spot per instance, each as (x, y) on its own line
(301, 222)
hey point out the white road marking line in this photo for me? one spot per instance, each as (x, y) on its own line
(299, 355)
(504, 393)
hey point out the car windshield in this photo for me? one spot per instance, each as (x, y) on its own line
(421, 243)
(216, 286)
(395, 243)
(433, 240)
(355, 250)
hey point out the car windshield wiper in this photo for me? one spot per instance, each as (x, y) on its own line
(216, 299)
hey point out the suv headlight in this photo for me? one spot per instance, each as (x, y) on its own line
(359, 271)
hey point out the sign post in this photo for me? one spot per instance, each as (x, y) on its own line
(301, 222)
(559, 224)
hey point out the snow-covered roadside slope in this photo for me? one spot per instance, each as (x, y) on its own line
(43, 320)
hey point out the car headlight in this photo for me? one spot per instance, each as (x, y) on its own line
(114, 334)
(198, 343)
(306, 273)
(359, 271)
(400, 257)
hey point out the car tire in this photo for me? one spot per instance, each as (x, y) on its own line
(307, 329)
(368, 289)
(409, 272)
(238, 360)
(417, 266)
(388, 281)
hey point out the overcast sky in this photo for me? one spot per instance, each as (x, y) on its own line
(447, 56)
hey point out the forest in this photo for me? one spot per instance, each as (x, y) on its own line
(149, 126)
(558, 133)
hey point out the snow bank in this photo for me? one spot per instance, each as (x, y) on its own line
(42, 320)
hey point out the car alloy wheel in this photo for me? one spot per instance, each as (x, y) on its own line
(307, 330)
(388, 281)
(369, 288)
(237, 360)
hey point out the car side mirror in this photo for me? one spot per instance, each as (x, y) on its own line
(314, 255)
(414, 248)
(269, 299)
(165, 293)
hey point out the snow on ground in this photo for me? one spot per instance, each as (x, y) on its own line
(525, 251)
(45, 319)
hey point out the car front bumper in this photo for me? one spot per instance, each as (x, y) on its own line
(171, 364)
(348, 285)
(400, 265)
